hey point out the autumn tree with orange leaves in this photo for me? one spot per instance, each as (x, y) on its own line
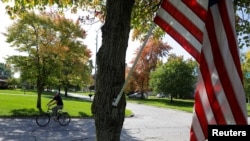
(152, 54)
(55, 53)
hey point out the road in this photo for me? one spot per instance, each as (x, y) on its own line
(157, 124)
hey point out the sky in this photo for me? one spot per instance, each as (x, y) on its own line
(93, 40)
(4, 47)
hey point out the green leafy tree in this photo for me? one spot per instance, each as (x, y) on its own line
(13, 83)
(175, 77)
(246, 72)
(5, 76)
(120, 17)
(73, 56)
(5, 71)
(242, 11)
(46, 45)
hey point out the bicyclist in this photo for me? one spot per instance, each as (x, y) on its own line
(57, 100)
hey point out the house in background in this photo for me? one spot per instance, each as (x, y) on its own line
(3, 84)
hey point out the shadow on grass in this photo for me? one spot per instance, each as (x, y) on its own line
(24, 112)
(32, 113)
(82, 114)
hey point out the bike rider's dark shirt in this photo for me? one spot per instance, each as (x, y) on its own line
(58, 99)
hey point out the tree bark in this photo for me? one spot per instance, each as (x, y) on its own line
(39, 92)
(111, 70)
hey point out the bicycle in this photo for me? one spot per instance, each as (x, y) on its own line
(63, 118)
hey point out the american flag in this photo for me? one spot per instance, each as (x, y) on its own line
(206, 29)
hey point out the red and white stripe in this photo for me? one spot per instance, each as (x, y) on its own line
(185, 25)
(219, 96)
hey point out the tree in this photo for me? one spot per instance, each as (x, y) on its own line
(5, 75)
(5, 71)
(46, 44)
(119, 19)
(242, 22)
(175, 77)
(153, 51)
(246, 71)
(75, 68)
(111, 70)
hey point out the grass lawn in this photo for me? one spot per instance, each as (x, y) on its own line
(20, 104)
(178, 104)
(14, 103)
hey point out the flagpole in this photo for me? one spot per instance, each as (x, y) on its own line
(116, 101)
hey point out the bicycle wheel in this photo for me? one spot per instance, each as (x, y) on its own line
(64, 119)
(43, 120)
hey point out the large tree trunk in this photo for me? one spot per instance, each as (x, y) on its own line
(111, 70)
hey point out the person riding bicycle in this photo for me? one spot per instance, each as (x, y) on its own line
(59, 103)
